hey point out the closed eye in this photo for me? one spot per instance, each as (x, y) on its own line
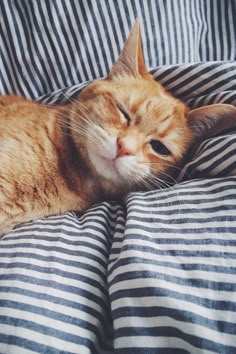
(125, 114)
(160, 148)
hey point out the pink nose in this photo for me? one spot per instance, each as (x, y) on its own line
(125, 147)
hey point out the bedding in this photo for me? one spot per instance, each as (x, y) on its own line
(156, 272)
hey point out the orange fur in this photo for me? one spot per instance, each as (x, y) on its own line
(55, 159)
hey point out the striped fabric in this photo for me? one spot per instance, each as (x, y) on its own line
(49, 45)
(172, 275)
(157, 272)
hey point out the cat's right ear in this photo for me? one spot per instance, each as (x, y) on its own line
(131, 60)
(208, 121)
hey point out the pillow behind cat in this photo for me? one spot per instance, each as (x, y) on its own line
(122, 133)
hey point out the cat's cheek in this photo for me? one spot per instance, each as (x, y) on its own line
(102, 143)
(104, 168)
(127, 168)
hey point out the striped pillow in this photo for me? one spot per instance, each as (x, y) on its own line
(213, 158)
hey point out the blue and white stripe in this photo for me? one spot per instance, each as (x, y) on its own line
(48, 45)
(172, 276)
(53, 283)
(157, 273)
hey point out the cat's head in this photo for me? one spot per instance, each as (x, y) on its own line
(133, 131)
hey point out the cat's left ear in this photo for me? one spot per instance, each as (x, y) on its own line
(131, 60)
(210, 120)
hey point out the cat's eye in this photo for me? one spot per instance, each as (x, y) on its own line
(125, 114)
(159, 147)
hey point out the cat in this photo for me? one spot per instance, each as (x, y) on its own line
(124, 132)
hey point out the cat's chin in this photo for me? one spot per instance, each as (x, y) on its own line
(118, 170)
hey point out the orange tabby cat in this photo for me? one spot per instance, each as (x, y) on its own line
(122, 131)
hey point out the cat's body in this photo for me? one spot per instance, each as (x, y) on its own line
(122, 133)
(34, 163)
(46, 170)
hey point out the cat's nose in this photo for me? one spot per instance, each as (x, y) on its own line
(126, 147)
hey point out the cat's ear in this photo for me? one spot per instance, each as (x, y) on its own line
(131, 60)
(210, 120)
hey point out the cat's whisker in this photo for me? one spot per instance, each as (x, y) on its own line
(64, 123)
(167, 186)
(98, 122)
(80, 132)
(69, 128)
(154, 176)
(87, 119)
(80, 104)
(67, 117)
(75, 126)
(147, 178)
(146, 185)
(158, 163)
(78, 128)
(171, 188)
(168, 176)
(154, 179)
(175, 191)
(164, 183)
(68, 125)
(164, 173)
(179, 169)
(83, 117)
(49, 106)
(65, 113)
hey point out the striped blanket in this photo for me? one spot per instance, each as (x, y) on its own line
(157, 272)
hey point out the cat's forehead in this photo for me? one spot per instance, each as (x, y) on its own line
(160, 106)
(141, 99)
(156, 113)
(146, 97)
